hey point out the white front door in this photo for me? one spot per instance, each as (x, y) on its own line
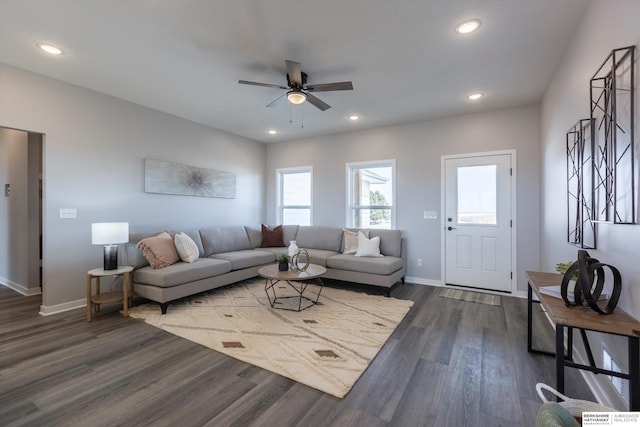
(478, 221)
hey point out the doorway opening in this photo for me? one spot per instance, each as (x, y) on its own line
(21, 207)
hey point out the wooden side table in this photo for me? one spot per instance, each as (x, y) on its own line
(94, 300)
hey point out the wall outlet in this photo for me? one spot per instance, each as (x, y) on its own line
(419, 262)
(7, 190)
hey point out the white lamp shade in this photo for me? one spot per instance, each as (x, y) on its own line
(107, 233)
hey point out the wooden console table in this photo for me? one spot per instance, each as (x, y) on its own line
(583, 319)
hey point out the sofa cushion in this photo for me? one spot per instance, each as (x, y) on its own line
(275, 251)
(390, 241)
(368, 247)
(224, 239)
(271, 237)
(246, 258)
(385, 265)
(325, 238)
(194, 233)
(350, 240)
(255, 236)
(134, 256)
(289, 233)
(159, 250)
(181, 272)
(317, 256)
(186, 247)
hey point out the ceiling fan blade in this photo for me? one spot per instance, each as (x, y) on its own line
(330, 86)
(295, 73)
(246, 82)
(321, 105)
(277, 101)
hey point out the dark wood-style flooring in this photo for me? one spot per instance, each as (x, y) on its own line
(449, 363)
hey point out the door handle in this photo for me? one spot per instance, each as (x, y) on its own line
(451, 228)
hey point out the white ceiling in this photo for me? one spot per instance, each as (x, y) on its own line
(185, 57)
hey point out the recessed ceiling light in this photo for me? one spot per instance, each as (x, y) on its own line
(49, 48)
(354, 117)
(475, 96)
(467, 27)
(272, 131)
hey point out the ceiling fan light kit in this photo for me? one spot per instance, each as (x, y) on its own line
(296, 97)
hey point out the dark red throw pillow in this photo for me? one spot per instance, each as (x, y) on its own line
(272, 238)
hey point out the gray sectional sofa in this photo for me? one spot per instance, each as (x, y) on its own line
(232, 254)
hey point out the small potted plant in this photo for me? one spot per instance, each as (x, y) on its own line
(563, 267)
(283, 262)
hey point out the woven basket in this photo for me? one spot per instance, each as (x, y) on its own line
(575, 406)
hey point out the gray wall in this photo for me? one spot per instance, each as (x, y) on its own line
(606, 25)
(417, 148)
(94, 148)
(13, 219)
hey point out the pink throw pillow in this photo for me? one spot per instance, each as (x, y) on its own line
(159, 250)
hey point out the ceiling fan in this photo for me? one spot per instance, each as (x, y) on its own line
(297, 89)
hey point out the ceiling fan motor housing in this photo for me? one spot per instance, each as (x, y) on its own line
(304, 80)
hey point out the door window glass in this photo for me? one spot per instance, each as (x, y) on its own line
(477, 187)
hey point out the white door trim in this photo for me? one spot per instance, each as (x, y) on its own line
(514, 234)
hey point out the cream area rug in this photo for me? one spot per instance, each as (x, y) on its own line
(327, 346)
(478, 297)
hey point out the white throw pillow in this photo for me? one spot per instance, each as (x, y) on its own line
(368, 247)
(351, 240)
(186, 247)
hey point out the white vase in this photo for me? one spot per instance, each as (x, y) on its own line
(293, 248)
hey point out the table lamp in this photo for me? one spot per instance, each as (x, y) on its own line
(110, 234)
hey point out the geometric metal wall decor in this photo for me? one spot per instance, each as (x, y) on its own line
(175, 178)
(614, 153)
(581, 230)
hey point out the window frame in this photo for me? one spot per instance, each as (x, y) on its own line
(350, 207)
(280, 206)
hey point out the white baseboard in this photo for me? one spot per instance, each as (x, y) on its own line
(422, 281)
(19, 288)
(521, 294)
(60, 308)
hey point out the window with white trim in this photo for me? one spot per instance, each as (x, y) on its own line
(294, 195)
(371, 194)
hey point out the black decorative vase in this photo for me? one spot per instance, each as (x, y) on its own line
(591, 279)
(283, 266)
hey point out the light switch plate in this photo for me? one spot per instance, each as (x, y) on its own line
(430, 215)
(68, 213)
